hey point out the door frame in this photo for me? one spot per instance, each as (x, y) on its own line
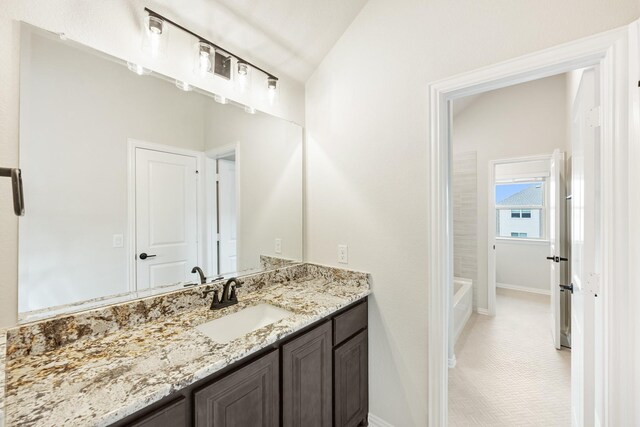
(132, 145)
(491, 227)
(212, 155)
(615, 52)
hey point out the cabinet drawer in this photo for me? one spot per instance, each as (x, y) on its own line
(172, 415)
(349, 322)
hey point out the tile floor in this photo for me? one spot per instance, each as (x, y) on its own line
(508, 372)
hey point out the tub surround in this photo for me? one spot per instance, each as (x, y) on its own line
(97, 367)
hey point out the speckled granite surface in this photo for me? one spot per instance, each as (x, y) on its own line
(270, 262)
(99, 378)
(3, 335)
(46, 335)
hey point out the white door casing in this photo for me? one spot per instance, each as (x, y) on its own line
(227, 216)
(556, 172)
(584, 258)
(616, 54)
(166, 217)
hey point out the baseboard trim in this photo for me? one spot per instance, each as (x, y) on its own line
(378, 422)
(523, 289)
(482, 311)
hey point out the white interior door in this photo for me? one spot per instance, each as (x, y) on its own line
(227, 215)
(166, 218)
(584, 259)
(556, 171)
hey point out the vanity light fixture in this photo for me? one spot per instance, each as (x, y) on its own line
(154, 35)
(182, 85)
(138, 69)
(213, 59)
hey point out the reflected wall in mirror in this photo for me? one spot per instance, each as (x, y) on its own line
(130, 182)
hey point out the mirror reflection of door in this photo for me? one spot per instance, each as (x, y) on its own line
(227, 222)
(166, 217)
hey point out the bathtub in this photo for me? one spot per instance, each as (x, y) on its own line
(462, 304)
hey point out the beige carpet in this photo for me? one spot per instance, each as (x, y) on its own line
(508, 372)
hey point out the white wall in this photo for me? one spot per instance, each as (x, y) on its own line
(523, 120)
(366, 155)
(269, 158)
(523, 264)
(113, 27)
(77, 112)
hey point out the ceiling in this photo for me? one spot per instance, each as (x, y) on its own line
(287, 37)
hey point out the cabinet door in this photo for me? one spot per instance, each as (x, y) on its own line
(351, 382)
(306, 379)
(171, 415)
(249, 397)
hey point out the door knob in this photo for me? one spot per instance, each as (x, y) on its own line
(567, 287)
(145, 256)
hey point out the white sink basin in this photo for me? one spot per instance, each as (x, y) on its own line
(242, 322)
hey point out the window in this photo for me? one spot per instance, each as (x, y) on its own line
(520, 210)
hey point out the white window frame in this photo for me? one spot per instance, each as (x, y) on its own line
(544, 211)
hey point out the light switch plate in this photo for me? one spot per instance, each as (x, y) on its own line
(343, 254)
(278, 246)
(118, 240)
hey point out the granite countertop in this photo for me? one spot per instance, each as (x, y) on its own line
(96, 381)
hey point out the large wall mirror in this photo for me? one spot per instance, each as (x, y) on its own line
(131, 181)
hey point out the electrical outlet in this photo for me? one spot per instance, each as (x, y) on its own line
(118, 240)
(343, 254)
(278, 247)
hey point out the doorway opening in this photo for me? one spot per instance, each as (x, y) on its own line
(222, 192)
(164, 242)
(506, 211)
(592, 370)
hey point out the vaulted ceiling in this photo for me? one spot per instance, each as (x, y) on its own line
(288, 37)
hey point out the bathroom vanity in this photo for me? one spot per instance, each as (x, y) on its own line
(146, 363)
(296, 380)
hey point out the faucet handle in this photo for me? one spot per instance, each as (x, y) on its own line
(215, 295)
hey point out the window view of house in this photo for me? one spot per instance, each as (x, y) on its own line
(520, 210)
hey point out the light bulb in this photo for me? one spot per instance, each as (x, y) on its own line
(138, 69)
(204, 63)
(272, 89)
(249, 110)
(182, 85)
(243, 75)
(220, 99)
(155, 29)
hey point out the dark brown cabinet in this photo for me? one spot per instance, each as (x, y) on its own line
(248, 397)
(315, 378)
(307, 379)
(172, 415)
(351, 382)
